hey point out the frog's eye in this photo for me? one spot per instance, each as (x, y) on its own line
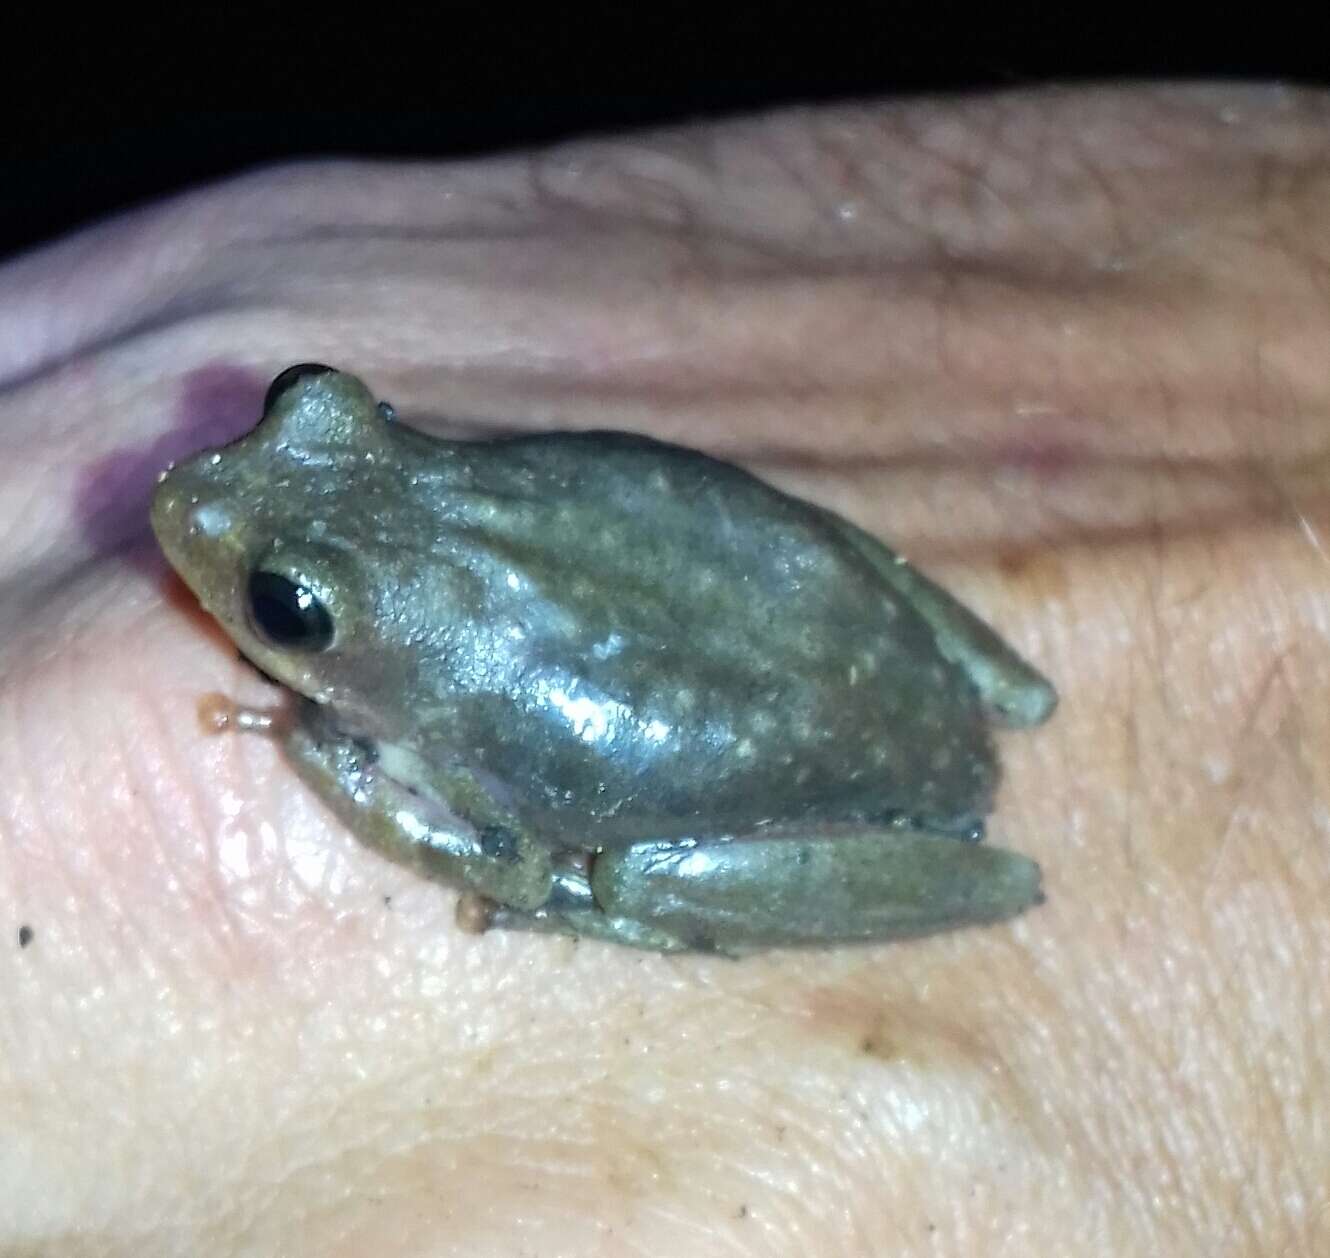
(284, 380)
(288, 615)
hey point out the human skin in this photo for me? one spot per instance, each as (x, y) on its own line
(1064, 349)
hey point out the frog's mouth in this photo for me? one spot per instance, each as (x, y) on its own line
(267, 676)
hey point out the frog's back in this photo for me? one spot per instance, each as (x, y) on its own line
(652, 643)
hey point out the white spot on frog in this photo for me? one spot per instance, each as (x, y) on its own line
(608, 647)
(589, 719)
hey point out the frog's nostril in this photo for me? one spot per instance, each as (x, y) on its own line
(209, 520)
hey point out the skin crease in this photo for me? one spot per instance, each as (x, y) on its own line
(1064, 349)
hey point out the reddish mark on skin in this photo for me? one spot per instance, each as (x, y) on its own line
(1039, 567)
(217, 404)
(216, 713)
(1046, 457)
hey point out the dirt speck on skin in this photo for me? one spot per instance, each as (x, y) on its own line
(877, 1044)
(25, 935)
(1033, 567)
(474, 913)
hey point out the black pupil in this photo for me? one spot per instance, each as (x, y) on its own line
(288, 614)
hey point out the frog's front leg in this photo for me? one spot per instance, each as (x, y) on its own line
(394, 802)
(783, 887)
(438, 820)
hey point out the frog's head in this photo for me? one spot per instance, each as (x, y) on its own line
(284, 537)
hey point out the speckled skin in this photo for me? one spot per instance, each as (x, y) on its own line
(563, 663)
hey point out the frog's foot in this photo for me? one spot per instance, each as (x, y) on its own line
(572, 910)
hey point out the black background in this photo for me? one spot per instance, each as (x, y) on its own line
(102, 113)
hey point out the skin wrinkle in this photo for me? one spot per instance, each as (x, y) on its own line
(1192, 1128)
(1242, 1173)
(822, 196)
(1244, 741)
(649, 192)
(977, 193)
(1276, 1119)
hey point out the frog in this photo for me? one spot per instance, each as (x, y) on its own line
(604, 685)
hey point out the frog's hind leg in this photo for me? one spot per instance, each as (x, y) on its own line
(572, 910)
(786, 888)
(1014, 690)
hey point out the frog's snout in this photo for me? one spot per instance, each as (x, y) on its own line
(179, 510)
(194, 527)
(166, 509)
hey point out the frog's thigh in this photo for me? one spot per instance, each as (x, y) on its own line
(1013, 689)
(777, 888)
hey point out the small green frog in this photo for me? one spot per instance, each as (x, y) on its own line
(604, 685)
